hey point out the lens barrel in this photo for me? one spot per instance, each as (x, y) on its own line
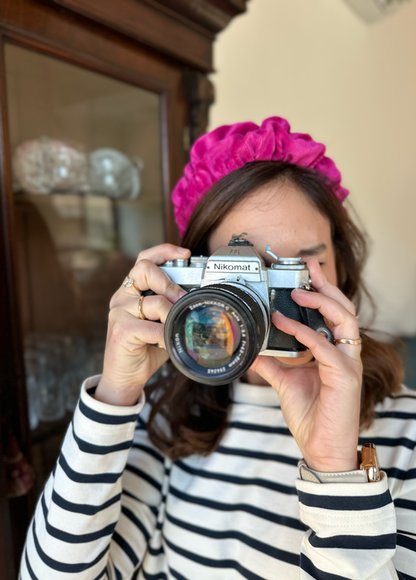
(213, 334)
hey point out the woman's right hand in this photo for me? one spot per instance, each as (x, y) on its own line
(131, 353)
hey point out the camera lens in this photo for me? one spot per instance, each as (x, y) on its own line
(213, 334)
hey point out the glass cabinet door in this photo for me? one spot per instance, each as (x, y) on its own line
(87, 170)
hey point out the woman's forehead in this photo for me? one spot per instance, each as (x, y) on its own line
(281, 214)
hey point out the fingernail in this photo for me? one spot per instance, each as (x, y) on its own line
(182, 293)
(182, 250)
(300, 290)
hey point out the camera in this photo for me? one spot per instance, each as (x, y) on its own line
(214, 333)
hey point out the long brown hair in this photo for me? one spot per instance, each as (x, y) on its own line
(197, 414)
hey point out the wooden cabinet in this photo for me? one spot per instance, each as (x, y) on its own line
(100, 102)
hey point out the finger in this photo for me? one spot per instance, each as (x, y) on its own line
(163, 253)
(127, 328)
(153, 307)
(326, 353)
(323, 286)
(158, 255)
(152, 333)
(344, 324)
(148, 276)
(270, 369)
(341, 318)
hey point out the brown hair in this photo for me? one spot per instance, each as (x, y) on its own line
(197, 414)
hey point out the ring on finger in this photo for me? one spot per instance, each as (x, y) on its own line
(141, 315)
(355, 342)
(128, 282)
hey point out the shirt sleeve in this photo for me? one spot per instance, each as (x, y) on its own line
(405, 504)
(354, 531)
(85, 514)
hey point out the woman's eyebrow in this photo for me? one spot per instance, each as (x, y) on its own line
(312, 250)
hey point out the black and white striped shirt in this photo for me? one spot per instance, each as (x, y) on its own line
(116, 508)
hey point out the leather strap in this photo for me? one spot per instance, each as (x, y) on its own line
(308, 474)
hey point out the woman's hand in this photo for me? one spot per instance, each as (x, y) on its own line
(321, 401)
(131, 354)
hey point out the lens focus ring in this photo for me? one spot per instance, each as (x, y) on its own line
(214, 333)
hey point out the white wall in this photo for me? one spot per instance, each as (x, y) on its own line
(351, 86)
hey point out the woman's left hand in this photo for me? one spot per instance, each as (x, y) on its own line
(321, 401)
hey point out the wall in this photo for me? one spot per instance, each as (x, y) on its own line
(351, 86)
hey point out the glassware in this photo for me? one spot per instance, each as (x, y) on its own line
(51, 393)
(46, 165)
(115, 175)
(33, 401)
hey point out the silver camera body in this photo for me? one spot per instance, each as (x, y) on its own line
(214, 333)
(240, 265)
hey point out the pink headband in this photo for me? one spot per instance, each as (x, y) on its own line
(229, 147)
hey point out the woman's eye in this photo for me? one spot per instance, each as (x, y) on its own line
(320, 262)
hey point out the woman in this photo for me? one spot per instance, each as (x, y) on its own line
(202, 482)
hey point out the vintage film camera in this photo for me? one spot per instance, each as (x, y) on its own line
(214, 333)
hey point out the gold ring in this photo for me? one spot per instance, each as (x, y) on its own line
(349, 341)
(141, 315)
(128, 282)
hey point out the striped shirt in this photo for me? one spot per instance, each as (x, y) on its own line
(116, 508)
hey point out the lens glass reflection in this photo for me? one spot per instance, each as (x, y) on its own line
(211, 336)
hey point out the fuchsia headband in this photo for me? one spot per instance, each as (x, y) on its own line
(229, 147)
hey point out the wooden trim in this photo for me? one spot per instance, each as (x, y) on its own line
(63, 31)
(7, 567)
(212, 16)
(199, 95)
(166, 163)
(10, 318)
(30, 41)
(173, 158)
(12, 388)
(174, 36)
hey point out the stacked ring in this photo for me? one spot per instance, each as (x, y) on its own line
(349, 341)
(128, 282)
(141, 315)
